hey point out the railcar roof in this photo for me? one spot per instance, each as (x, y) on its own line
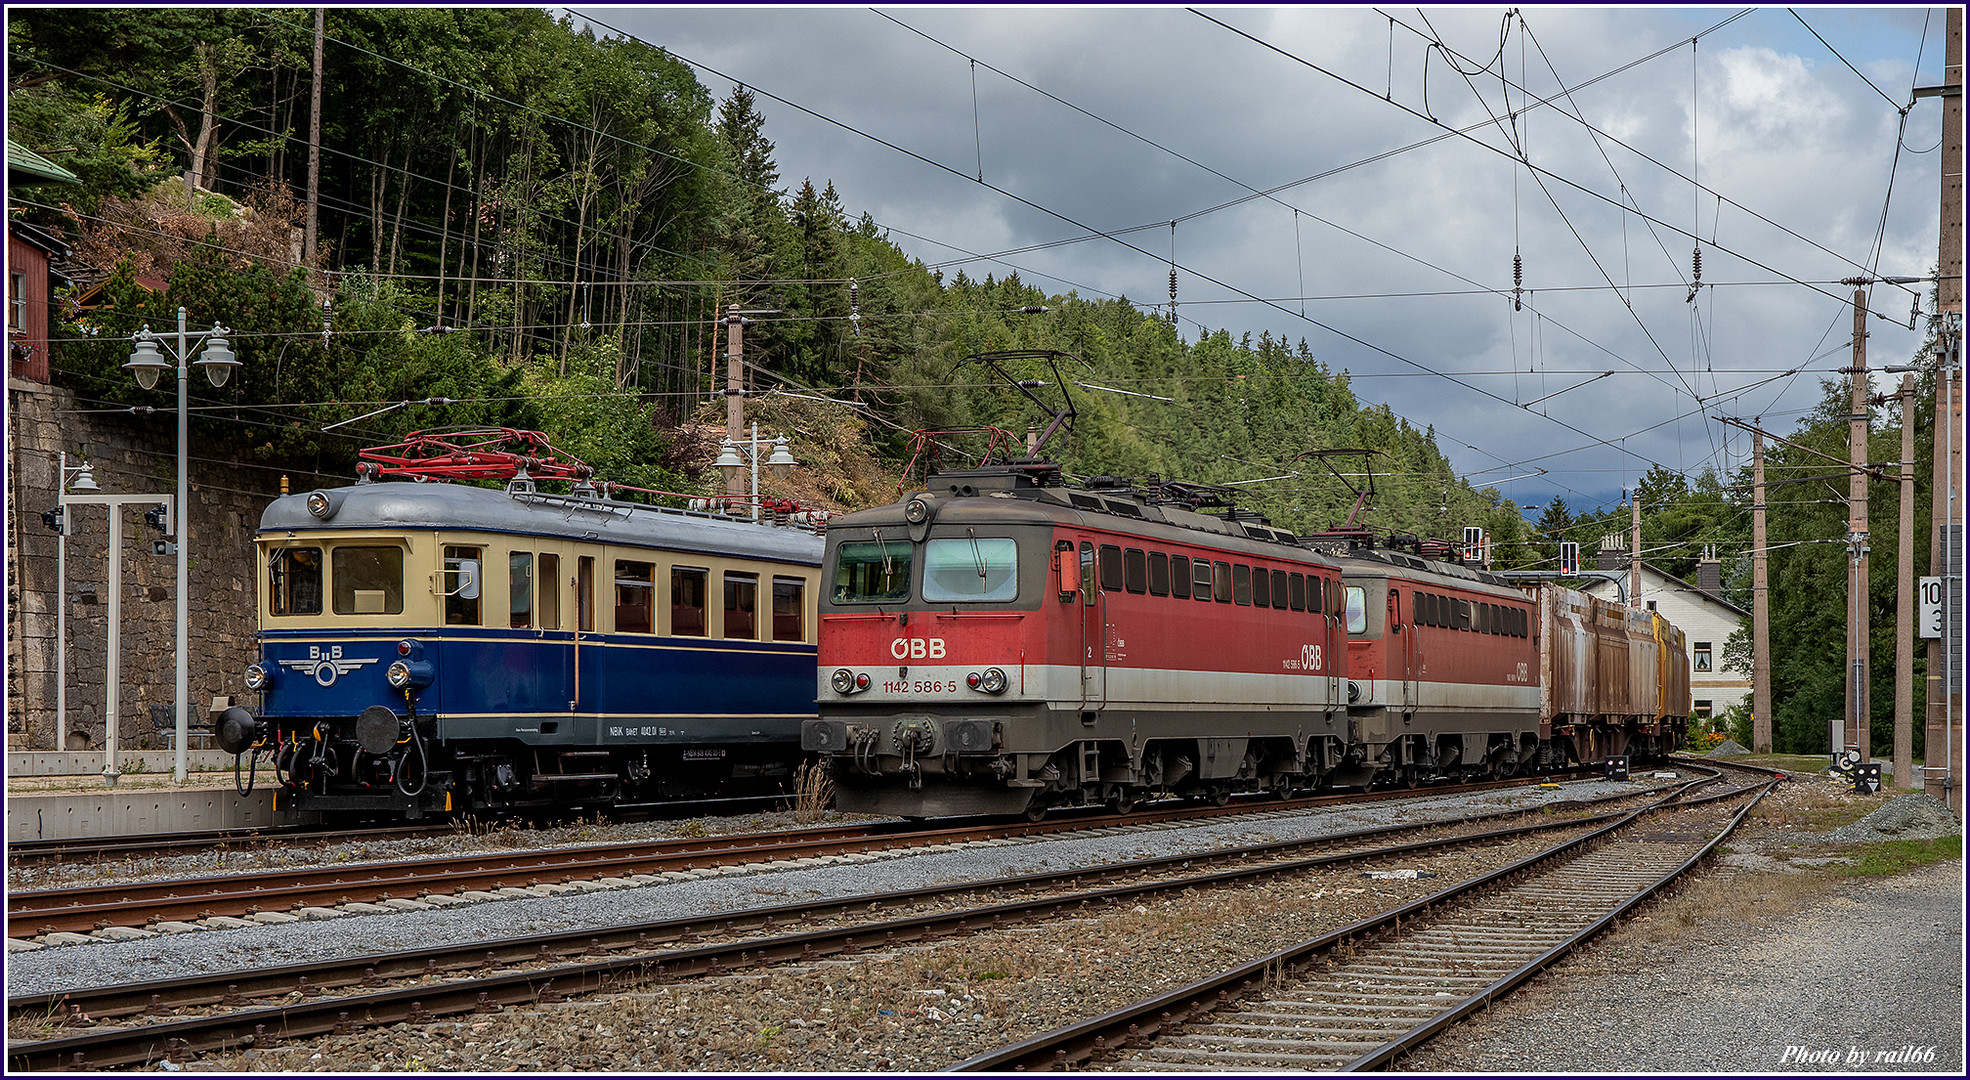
(402, 505)
(1412, 568)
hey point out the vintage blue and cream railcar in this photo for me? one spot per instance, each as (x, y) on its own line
(434, 647)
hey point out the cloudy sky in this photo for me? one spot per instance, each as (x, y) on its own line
(1359, 177)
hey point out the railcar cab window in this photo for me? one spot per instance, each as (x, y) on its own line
(461, 585)
(873, 571)
(970, 569)
(294, 580)
(1357, 610)
(367, 580)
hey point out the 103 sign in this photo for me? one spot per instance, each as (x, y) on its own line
(1929, 598)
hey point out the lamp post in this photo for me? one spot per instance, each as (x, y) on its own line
(147, 363)
(730, 462)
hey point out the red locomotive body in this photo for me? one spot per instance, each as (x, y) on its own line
(1001, 643)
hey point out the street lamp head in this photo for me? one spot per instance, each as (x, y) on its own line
(728, 459)
(146, 363)
(218, 359)
(782, 458)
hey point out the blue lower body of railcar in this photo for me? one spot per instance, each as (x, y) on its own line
(503, 720)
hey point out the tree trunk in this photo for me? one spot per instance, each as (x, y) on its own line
(205, 164)
(403, 195)
(314, 150)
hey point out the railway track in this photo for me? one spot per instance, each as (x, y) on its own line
(481, 977)
(81, 910)
(1357, 998)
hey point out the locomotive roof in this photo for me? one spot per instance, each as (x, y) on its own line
(401, 505)
(1006, 497)
(1396, 564)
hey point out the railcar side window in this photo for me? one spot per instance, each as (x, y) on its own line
(970, 569)
(1111, 568)
(869, 571)
(1261, 587)
(520, 589)
(1180, 576)
(742, 606)
(1201, 579)
(1087, 573)
(789, 609)
(1222, 590)
(550, 592)
(1296, 591)
(461, 580)
(636, 597)
(1279, 588)
(687, 600)
(1135, 570)
(1159, 574)
(1357, 610)
(294, 581)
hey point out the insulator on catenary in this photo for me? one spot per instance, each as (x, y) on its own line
(1518, 280)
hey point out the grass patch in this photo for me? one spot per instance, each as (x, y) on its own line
(1901, 856)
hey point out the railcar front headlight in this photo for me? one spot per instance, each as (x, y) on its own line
(256, 677)
(319, 505)
(397, 674)
(408, 674)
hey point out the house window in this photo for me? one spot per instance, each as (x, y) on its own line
(1651, 605)
(17, 301)
(1700, 709)
(1700, 657)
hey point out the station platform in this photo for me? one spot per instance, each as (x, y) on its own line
(62, 796)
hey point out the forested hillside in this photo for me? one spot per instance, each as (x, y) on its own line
(532, 226)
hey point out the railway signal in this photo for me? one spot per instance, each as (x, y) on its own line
(1569, 557)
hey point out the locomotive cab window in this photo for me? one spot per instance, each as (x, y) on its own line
(970, 569)
(872, 571)
(367, 580)
(294, 580)
(461, 585)
(1357, 602)
(635, 597)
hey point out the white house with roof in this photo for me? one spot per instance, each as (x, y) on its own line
(1700, 611)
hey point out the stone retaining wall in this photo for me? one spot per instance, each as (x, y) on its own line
(130, 454)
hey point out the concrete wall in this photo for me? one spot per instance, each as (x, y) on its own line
(134, 455)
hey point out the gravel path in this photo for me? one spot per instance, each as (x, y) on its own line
(1848, 984)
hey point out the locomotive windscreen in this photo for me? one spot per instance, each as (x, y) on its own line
(970, 569)
(870, 571)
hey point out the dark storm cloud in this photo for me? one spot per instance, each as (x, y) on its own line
(1780, 125)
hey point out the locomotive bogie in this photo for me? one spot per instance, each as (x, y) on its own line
(430, 648)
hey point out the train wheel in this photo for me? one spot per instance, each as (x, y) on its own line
(1036, 810)
(1283, 787)
(1411, 777)
(1124, 802)
(1219, 796)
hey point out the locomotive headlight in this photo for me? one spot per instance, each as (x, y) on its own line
(256, 677)
(843, 681)
(916, 511)
(993, 681)
(319, 505)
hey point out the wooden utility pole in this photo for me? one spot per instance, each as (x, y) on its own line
(1943, 746)
(1635, 551)
(735, 407)
(1761, 609)
(314, 152)
(1854, 734)
(1905, 596)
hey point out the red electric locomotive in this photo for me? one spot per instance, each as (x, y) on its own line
(1001, 643)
